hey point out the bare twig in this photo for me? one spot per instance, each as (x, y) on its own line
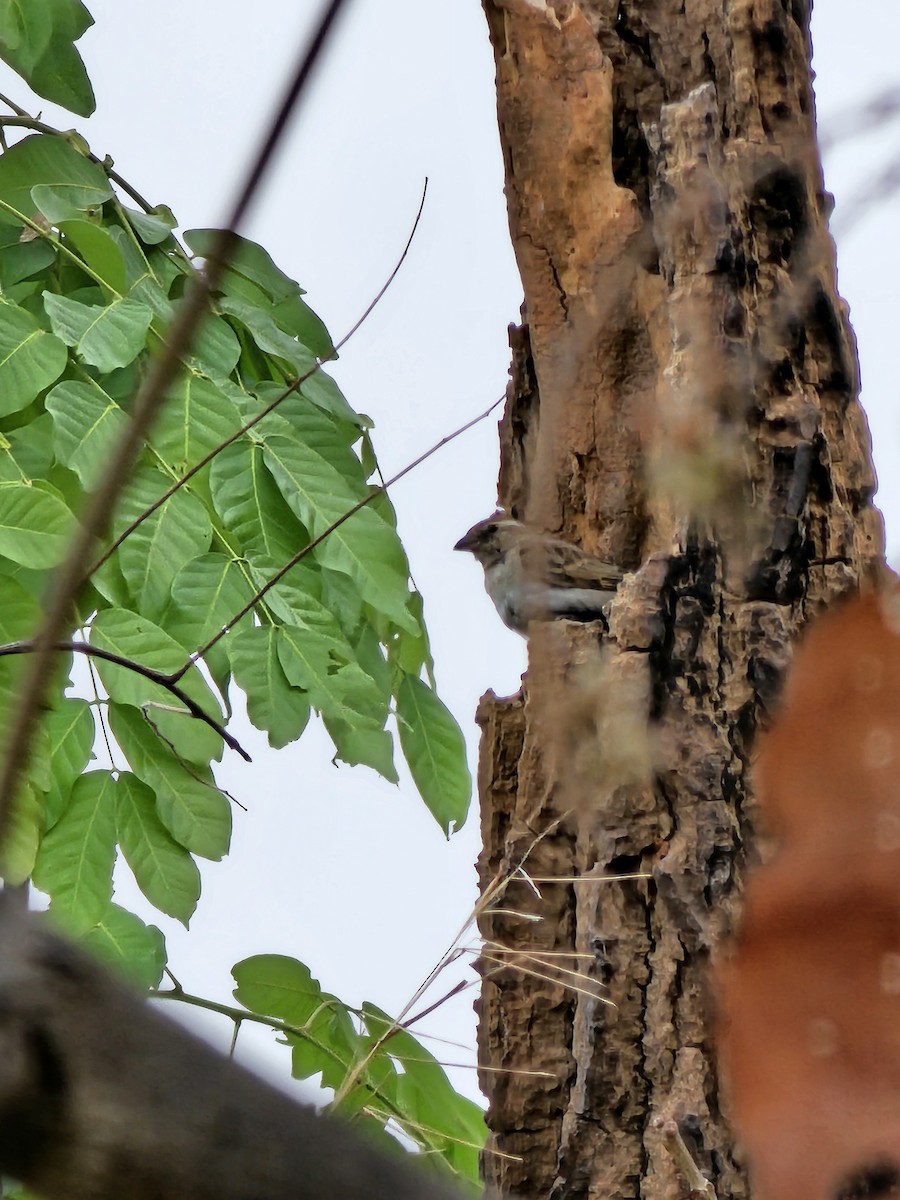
(316, 541)
(697, 1183)
(269, 408)
(148, 673)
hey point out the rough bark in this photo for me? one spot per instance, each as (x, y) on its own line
(102, 1097)
(684, 401)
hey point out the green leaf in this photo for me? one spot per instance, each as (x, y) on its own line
(427, 1107)
(329, 1044)
(30, 358)
(274, 985)
(31, 447)
(155, 552)
(35, 527)
(215, 349)
(296, 595)
(138, 639)
(196, 418)
(106, 336)
(296, 317)
(435, 750)
(98, 248)
(165, 872)
(248, 259)
(272, 704)
(364, 547)
(87, 425)
(343, 692)
(126, 944)
(249, 502)
(19, 612)
(70, 728)
(50, 160)
(37, 41)
(363, 746)
(188, 802)
(268, 337)
(146, 281)
(18, 259)
(318, 404)
(152, 227)
(412, 651)
(75, 862)
(206, 594)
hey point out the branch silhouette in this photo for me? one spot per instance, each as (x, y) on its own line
(149, 673)
(269, 408)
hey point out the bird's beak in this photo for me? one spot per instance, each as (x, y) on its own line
(468, 540)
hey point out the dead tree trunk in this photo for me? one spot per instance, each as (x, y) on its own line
(684, 401)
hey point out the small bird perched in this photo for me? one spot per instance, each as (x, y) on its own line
(531, 576)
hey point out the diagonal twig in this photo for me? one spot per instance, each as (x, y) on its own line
(71, 575)
(311, 545)
(149, 673)
(294, 386)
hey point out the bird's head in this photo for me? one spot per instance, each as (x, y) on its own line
(491, 538)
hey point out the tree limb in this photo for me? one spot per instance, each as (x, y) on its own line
(99, 1092)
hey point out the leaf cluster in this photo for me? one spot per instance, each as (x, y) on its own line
(87, 290)
(256, 454)
(380, 1074)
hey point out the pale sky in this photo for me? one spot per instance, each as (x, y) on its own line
(334, 866)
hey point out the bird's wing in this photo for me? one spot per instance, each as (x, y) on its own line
(564, 565)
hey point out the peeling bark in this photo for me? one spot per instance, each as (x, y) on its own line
(684, 401)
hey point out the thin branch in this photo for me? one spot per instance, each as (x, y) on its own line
(697, 1183)
(148, 673)
(24, 121)
(316, 541)
(235, 1015)
(546, 978)
(12, 104)
(307, 65)
(587, 878)
(454, 991)
(493, 889)
(269, 408)
(150, 397)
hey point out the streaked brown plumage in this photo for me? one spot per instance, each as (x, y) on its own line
(531, 576)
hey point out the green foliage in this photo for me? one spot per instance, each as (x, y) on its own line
(255, 454)
(381, 1075)
(77, 329)
(37, 40)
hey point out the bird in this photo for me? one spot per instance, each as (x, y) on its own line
(531, 576)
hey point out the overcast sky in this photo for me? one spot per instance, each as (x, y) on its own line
(332, 865)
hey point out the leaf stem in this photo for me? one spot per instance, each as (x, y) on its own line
(24, 121)
(148, 673)
(71, 578)
(316, 541)
(293, 387)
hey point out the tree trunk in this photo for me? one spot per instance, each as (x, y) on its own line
(684, 402)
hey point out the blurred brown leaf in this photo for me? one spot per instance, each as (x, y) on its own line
(810, 997)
